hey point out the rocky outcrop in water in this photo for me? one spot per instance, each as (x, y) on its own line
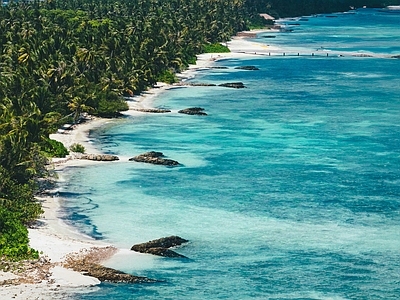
(249, 68)
(163, 252)
(153, 110)
(193, 111)
(88, 262)
(156, 158)
(105, 274)
(395, 56)
(194, 84)
(99, 157)
(236, 85)
(161, 246)
(362, 55)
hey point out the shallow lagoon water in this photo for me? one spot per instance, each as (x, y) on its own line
(288, 189)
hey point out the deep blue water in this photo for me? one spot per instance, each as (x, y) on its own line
(288, 189)
(368, 31)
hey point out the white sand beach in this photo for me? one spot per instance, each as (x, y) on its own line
(55, 239)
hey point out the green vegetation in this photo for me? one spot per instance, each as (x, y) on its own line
(215, 48)
(14, 237)
(168, 76)
(52, 148)
(77, 148)
(59, 59)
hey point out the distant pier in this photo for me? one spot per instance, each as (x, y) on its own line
(313, 54)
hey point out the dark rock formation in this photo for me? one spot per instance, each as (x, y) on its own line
(194, 84)
(193, 111)
(362, 55)
(160, 246)
(249, 68)
(88, 262)
(100, 157)
(155, 158)
(166, 242)
(153, 110)
(236, 85)
(395, 56)
(217, 67)
(105, 274)
(163, 252)
(269, 36)
(202, 84)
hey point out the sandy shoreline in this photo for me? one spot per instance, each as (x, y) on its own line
(52, 237)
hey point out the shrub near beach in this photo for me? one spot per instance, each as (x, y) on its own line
(78, 148)
(14, 237)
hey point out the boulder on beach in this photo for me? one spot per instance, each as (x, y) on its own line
(236, 85)
(153, 110)
(156, 158)
(100, 157)
(161, 246)
(193, 111)
(249, 68)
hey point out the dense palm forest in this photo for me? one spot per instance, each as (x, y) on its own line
(60, 58)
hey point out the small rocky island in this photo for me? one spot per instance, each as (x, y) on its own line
(161, 246)
(193, 111)
(236, 85)
(248, 68)
(155, 158)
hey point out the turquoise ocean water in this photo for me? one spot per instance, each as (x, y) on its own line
(288, 189)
